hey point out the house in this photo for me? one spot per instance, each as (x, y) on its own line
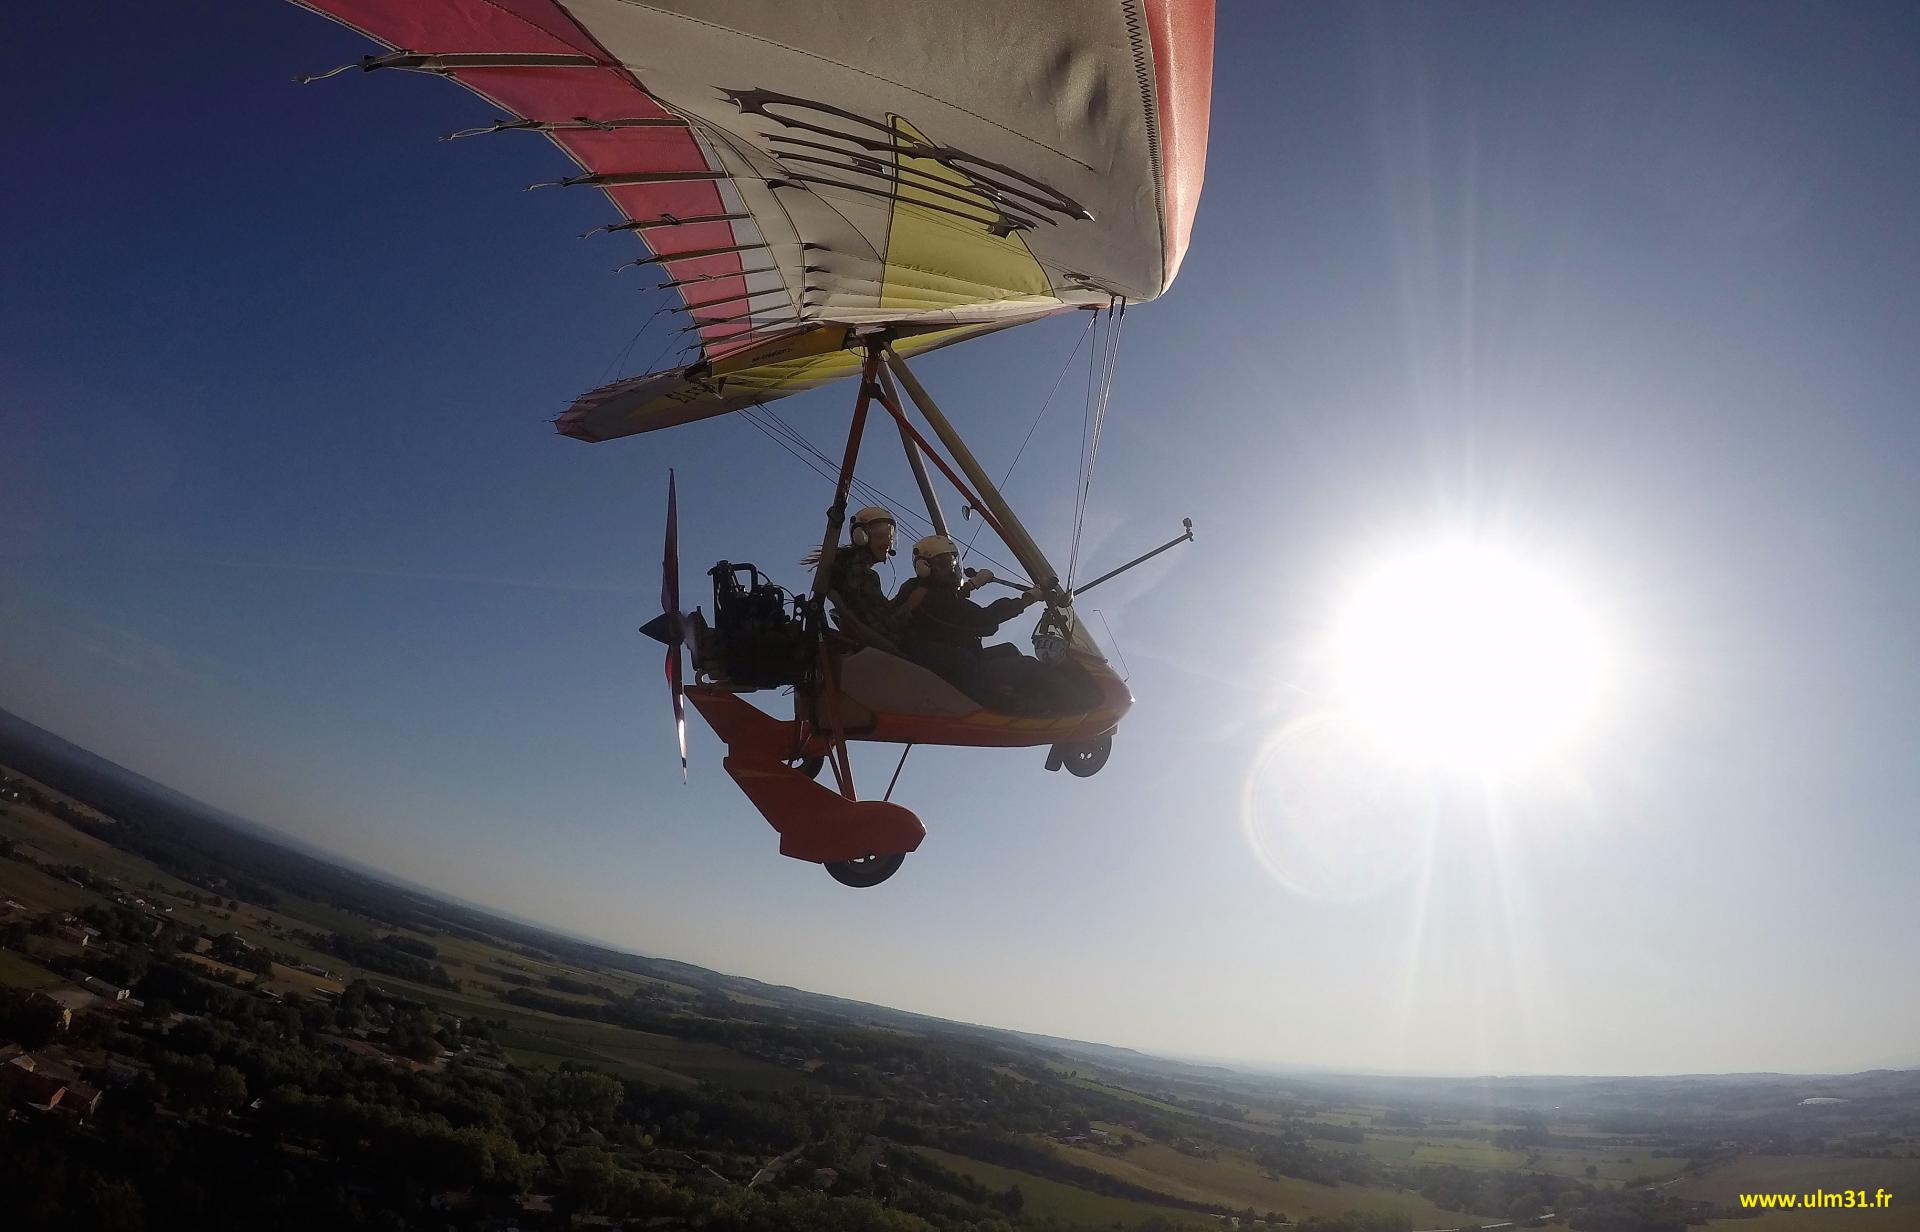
(67, 932)
(99, 987)
(81, 1099)
(23, 1083)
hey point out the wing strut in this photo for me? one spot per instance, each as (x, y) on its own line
(1024, 548)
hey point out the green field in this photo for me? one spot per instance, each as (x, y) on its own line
(64, 844)
(549, 1038)
(1232, 1180)
(1387, 1150)
(1615, 1164)
(1107, 1088)
(1798, 1174)
(1465, 1155)
(20, 972)
(1055, 1200)
(38, 892)
(1821, 1221)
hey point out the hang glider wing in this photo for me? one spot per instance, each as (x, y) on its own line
(801, 171)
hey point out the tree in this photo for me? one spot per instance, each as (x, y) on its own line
(31, 1022)
(587, 1180)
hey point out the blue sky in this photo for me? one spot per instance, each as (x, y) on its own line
(1628, 286)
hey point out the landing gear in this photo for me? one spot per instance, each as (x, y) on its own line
(866, 871)
(1082, 761)
(809, 766)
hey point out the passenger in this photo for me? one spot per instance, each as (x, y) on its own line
(944, 626)
(854, 587)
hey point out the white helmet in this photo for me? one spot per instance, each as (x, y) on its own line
(865, 518)
(927, 549)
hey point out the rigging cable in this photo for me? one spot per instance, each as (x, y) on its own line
(794, 442)
(620, 364)
(1092, 318)
(1093, 422)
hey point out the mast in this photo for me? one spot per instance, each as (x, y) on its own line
(837, 512)
(914, 460)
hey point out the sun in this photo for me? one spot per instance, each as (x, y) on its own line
(1469, 655)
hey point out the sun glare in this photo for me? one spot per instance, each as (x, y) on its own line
(1469, 656)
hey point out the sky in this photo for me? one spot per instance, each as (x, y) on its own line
(1628, 290)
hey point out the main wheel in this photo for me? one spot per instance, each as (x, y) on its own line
(809, 766)
(866, 871)
(1083, 761)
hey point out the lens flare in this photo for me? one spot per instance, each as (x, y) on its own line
(1328, 820)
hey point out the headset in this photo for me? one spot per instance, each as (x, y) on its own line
(928, 548)
(863, 518)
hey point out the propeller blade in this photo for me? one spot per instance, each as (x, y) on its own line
(676, 624)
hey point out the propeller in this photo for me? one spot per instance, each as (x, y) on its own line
(670, 627)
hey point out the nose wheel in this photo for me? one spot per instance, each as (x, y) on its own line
(866, 871)
(1082, 760)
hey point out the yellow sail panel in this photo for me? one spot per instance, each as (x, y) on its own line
(805, 344)
(943, 245)
(774, 368)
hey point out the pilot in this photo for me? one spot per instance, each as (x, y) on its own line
(854, 586)
(944, 626)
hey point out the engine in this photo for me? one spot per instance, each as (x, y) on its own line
(758, 639)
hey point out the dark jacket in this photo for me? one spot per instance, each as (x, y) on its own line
(948, 618)
(856, 590)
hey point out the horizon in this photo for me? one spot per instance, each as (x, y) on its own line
(1536, 697)
(264, 831)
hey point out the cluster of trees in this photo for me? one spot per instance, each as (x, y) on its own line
(1627, 1210)
(1291, 1156)
(579, 988)
(1504, 1195)
(29, 1022)
(411, 945)
(1355, 1221)
(383, 955)
(1332, 1133)
(233, 950)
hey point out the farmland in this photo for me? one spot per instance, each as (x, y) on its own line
(818, 1101)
